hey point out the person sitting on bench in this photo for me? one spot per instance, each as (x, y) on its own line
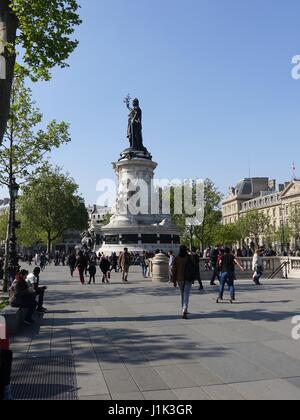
(22, 297)
(33, 281)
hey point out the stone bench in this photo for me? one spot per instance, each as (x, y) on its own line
(14, 318)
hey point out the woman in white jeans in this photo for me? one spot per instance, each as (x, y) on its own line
(257, 266)
(183, 275)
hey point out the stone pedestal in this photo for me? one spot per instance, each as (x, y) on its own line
(160, 269)
(142, 228)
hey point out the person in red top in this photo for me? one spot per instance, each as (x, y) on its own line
(5, 363)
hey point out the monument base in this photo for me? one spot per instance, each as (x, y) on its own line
(137, 232)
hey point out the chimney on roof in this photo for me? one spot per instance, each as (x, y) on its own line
(281, 187)
(272, 184)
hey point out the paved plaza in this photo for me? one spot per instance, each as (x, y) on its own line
(128, 342)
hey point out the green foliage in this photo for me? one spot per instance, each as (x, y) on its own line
(294, 222)
(25, 144)
(203, 234)
(45, 29)
(50, 206)
(254, 225)
(3, 226)
(212, 215)
(227, 235)
(4, 302)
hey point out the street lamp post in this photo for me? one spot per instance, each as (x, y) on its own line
(12, 264)
(282, 237)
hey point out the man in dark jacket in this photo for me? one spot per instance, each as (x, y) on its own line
(72, 263)
(23, 297)
(105, 266)
(196, 261)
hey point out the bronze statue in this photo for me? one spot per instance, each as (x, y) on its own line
(134, 132)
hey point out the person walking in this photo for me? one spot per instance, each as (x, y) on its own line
(37, 259)
(63, 259)
(105, 267)
(228, 264)
(145, 264)
(57, 258)
(72, 262)
(43, 261)
(214, 265)
(124, 263)
(258, 266)
(196, 261)
(114, 262)
(80, 264)
(92, 271)
(171, 263)
(183, 276)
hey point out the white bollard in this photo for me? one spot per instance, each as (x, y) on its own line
(160, 269)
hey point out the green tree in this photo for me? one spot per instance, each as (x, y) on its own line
(50, 205)
(200, 234)
(25, 144)
(212, 215)
(254, 225)
(41, 31)
(294, 222)
(3, 226)
(227, 235)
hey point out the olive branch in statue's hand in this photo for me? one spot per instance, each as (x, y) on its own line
(127, 101)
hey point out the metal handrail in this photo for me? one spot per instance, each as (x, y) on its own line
(285, 265)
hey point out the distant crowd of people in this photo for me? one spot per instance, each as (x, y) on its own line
(184, 270)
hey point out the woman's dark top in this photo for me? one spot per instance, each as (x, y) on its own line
(104, 266)
(228, 263)
(81, 262)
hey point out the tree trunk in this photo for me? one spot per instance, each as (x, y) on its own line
(8, 32)
(6, 262)
(49, 242)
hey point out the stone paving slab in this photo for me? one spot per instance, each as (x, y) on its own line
(129, 342)
(223, 393)
(191, 394)
(268, 390)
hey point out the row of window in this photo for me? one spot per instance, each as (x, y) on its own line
(261, 202)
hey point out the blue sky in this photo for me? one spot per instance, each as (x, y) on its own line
(214, 82)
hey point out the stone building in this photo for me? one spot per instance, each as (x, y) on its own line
(98, 215)
(275, 202)
(246, 190)
(4, 205)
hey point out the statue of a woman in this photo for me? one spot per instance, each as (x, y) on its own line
(134, 132)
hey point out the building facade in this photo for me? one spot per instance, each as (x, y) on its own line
(98, 215)
(246, 190)
(4, 205)
(265, 196)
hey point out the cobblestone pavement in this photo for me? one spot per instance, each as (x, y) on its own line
(128, 342)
